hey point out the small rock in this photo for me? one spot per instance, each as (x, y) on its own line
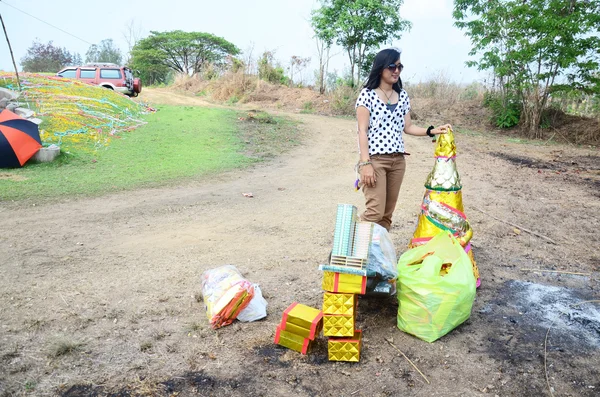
(35, 120)
(25, 113)
(5, 93)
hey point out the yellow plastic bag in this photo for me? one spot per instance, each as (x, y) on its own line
(436, 288)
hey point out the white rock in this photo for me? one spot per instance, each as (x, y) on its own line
(8, 94)
(25, 113)
(35, 120)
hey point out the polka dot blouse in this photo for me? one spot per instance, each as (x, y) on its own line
(385, 126)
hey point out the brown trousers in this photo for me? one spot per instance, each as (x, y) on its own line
(380, 201)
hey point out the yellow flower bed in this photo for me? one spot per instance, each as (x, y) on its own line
(76, 115)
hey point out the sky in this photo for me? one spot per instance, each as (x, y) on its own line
(432, 48)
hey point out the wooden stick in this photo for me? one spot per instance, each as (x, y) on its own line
(11, 52)
(518, 226)
(407, 359)
(556, 271)
(546, 342)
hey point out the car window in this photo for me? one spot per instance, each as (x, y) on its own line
(110, 73)
(87, 74)
(69, 73)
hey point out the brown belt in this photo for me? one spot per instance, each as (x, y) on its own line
(392, 154)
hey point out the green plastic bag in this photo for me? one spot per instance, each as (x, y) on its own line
(436, 288)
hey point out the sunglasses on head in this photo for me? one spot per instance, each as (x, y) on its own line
(392, 67)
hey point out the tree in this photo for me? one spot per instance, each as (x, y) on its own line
(534, 48)
(323, 49)
(359, 27)
(269, 71)
(105, 52)
(132, 34)
(45, 58)
(299, 64)
(183, 52)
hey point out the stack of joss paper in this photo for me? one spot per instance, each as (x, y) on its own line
(344, 277)
(300, 325)
(226, 293)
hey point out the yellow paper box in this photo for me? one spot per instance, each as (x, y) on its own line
(292, 341)
(336, 325)
(339, 304)
(345, 349)
(344, 283)
(302, 320)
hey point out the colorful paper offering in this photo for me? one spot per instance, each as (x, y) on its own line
(345, 349)
(292, 340)
(442, 207)
(344, 283)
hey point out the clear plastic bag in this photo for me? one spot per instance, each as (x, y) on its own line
(382, 254)
(256, 309)
(226, 293)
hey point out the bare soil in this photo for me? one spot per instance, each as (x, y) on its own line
(100, 296)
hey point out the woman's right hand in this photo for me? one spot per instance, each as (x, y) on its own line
(367, 175)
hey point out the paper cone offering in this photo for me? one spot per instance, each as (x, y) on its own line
(442, 207)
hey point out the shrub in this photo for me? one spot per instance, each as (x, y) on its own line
(506, 109)
(268, 71)
(343, 99)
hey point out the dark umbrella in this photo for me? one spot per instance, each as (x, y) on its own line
(19, 140)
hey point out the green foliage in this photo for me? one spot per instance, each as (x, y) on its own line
(471, 92)
(308, 107)
(105, 52)
(534, 47)
(269, 71)
(233, 100)
(506, 110)
(184, 52)
(47, 58)
(359, 27)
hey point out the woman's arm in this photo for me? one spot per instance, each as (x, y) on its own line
(412, 129)
(367, 173)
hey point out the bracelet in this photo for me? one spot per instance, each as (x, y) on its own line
(429, 134)
(362, 163)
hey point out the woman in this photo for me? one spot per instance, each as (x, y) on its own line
(383, 114)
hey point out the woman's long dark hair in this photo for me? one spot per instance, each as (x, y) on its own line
(383, 59)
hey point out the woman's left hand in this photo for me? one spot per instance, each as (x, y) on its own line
(442, 129)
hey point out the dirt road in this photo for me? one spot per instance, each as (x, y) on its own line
(99, 296)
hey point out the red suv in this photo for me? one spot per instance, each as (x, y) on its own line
(107, 75)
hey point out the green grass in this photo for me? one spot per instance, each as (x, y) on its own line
(177, 143)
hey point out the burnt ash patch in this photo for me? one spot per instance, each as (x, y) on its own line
(518, 319)
(271, 355)
(583, 170)
(83, 391)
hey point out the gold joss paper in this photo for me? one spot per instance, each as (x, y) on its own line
(345, 349)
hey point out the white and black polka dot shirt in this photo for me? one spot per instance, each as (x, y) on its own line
(385, 127)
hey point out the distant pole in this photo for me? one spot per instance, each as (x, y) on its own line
(11, 52)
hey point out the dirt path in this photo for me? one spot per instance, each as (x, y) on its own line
(116, 278)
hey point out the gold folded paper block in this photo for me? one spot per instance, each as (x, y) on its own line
(292, 341)
(303, 332)
(344, 283)
(302, 320)
(345, 349)
(339, 304)
(338, 325)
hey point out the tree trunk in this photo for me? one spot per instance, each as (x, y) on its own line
(532, 117)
